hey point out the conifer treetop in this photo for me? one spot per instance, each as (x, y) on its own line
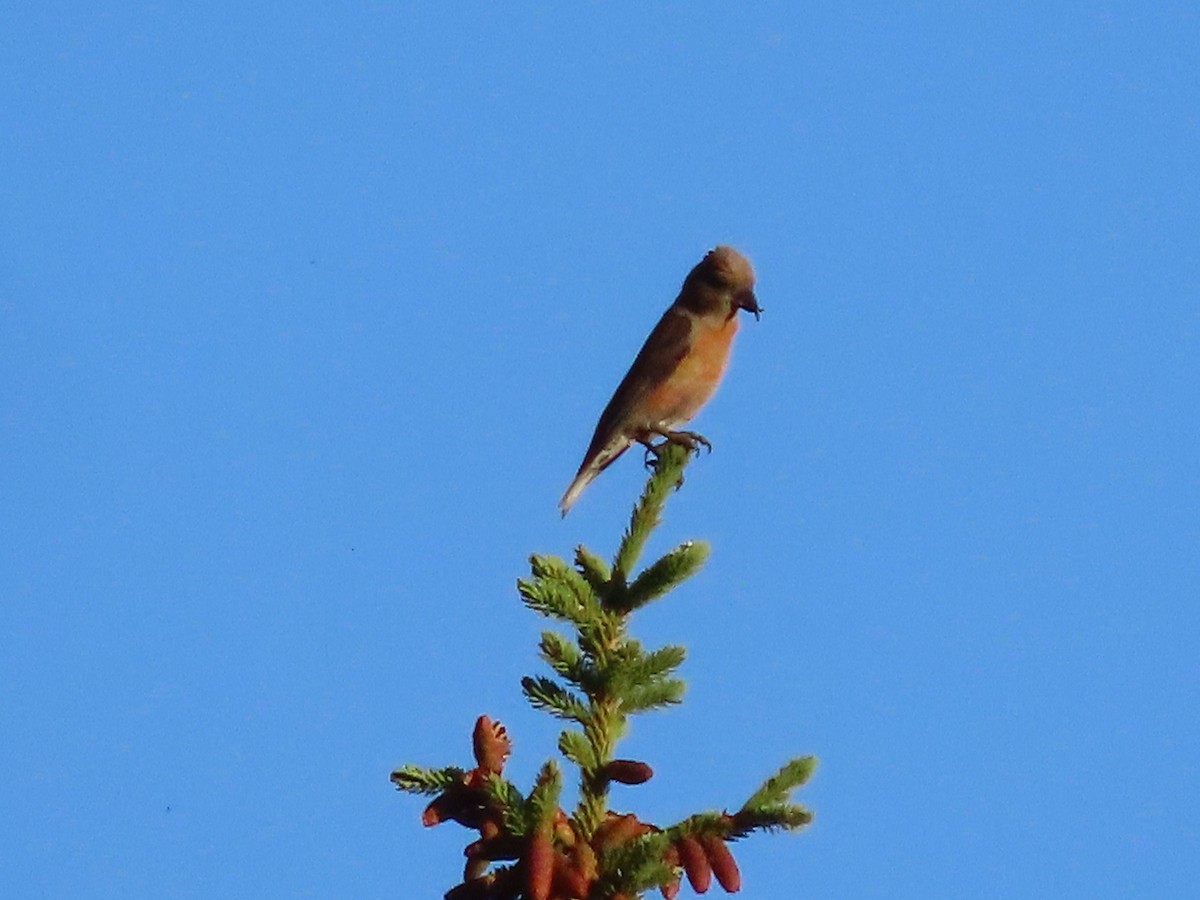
(529, 847)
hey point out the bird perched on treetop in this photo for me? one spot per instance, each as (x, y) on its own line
(677, 369)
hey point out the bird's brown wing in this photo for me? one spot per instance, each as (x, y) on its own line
(659, 357)
(664, 349)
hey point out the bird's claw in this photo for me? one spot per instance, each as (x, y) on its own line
(698, 441)
(692, 440)
(650, 457)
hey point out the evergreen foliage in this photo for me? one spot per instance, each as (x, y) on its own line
(529, 848)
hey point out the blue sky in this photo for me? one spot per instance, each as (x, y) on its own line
(307, 313)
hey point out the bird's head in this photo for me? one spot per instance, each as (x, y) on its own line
(723, 279)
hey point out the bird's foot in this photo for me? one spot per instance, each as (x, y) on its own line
(692, 440)
(652, 452)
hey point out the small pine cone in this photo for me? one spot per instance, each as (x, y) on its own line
(539, 866)
(671, 860)
(584, 858)
(568, 880)
(502, 846)
(491, 744)
(433, 812)
(695, 863)
(722, 862)
(458, 804)
(616, 830)
(627, 771)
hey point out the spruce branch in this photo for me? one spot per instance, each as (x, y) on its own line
(652, 695)
(779, 786)
(594, 570)
(529, 848)
(543, 693)
(543, 799)
(636, 865)
(602, 731)
(420, 780)
(667, 475)
(702, 824)
(575, 746)
(642, 668)
(558, 591)
(772, 817)
(562, 656)
(667, 573)
(770, 807)
(504, 794)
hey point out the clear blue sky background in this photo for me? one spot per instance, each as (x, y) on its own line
(306, 315)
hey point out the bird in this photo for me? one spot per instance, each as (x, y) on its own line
(677, 370)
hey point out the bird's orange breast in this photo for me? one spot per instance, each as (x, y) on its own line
(694, 380)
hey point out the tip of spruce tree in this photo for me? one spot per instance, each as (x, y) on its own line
(666, 476)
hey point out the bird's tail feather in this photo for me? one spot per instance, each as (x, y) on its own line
(592, 466)
(582, 480)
